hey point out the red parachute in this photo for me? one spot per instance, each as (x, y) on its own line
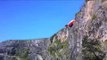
(70, 24)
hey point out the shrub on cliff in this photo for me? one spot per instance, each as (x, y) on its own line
(92, 49)
(59, 50)
(22, 53)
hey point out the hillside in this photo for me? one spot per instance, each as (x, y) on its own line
(85, 40)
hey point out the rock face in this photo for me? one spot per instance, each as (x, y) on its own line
(24, 49)
(85, 40)
(91, 30)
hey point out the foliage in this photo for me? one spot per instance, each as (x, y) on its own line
(105, 45)
(52, 38)
(23, 53)
(94, 17)
(105, 42)
(59, 50)
(92, 49)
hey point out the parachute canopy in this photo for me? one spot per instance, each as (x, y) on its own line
(70, 24)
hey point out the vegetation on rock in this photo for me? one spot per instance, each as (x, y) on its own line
(94, 17)
(59, 50)
(22, 53)
(92, 49)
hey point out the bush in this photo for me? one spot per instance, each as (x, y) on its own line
(94, 17)
(59, 50)
(23, 53)
(92, 49)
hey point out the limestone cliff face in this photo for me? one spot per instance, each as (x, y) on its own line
(85, 40)
(91, 28)
(24, 49)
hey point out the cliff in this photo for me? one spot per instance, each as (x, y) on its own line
(85, 40)
(23, 49)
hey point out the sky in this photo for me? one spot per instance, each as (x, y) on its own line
(35, 19)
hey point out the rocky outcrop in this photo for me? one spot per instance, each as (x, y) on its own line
(24, 49)
(91, 28)
(87, 38)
